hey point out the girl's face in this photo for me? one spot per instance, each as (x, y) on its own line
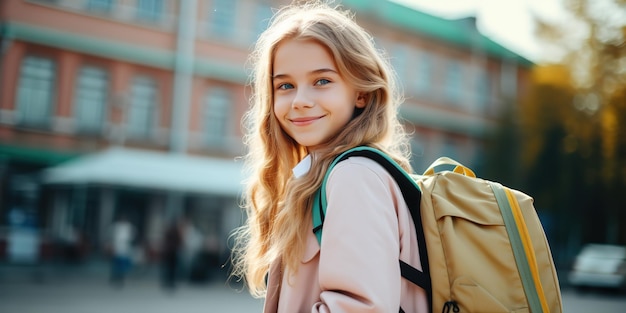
(312, 102)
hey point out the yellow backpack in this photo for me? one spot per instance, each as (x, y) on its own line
(482, 246)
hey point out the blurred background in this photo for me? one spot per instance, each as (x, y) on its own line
(120, 127)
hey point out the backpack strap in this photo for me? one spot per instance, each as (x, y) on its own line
(443, 164)
(521, 245)
(412, 197)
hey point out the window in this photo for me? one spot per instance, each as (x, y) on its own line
(35, 91)
(100, 5)
(418, 161)
(216, 116)
(141, 115)
(483, 90)
(423, 81)
(90, 99)
(454, 82)
(262, 16)
(508, 79)
(222, 18)
(149, 10)
(400, 61)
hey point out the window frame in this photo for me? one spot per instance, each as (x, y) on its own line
(216, 99)
(149, 115)
(36, 91)
(94, 93)
(223, 26)
(154, 14)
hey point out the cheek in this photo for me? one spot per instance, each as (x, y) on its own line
(277, 118)
(280, 107)
(279, 113)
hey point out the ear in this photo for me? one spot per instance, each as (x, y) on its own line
(360, 100)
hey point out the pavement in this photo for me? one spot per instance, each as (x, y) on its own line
(86, 289)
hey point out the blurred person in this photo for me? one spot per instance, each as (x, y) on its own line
(320, 88)
(192, 241)
(206, 262)
(171, 253)
(123, 233)
(71, 244)
(213, 256)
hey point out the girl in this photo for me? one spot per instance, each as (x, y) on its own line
(320, 87)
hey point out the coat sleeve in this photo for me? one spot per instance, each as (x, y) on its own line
(358, 270)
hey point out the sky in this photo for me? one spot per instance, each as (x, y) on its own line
(508, 22)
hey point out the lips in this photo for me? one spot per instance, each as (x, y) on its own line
(303, 121)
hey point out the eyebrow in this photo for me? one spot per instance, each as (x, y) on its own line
(318, 71)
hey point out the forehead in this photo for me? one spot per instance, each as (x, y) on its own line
(301, 56)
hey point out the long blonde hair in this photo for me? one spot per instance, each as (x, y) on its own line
(278, 206)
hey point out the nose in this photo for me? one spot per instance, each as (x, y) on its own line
(302, 99)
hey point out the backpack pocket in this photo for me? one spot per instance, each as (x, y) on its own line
(481, 269)
(472, 297)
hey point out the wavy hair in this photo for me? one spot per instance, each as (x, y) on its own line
(278, 206)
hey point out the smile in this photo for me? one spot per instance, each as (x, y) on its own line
(304, 121)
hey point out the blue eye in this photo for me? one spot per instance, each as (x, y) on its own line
(285, 86)
(322, 82)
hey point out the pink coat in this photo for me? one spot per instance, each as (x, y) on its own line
(367, 229)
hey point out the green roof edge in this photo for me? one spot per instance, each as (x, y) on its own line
(446, 30)
(38, 155)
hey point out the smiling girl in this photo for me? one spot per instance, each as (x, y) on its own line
(321, 87)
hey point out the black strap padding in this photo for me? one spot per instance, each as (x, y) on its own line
(322, 215)
(414, 275)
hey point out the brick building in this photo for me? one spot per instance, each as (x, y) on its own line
(134, 106)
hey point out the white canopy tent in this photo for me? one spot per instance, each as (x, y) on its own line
(153, 170)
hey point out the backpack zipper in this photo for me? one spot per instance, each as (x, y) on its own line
(450, 305)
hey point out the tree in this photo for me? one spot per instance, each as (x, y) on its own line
(591, 45)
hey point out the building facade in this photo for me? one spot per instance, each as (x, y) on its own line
(133, 107)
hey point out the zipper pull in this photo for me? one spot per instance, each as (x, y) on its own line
(450, 305)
